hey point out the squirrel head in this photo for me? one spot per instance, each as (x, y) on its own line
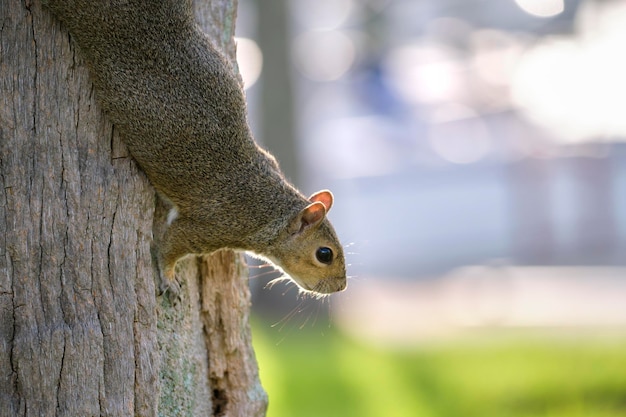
(308, 249)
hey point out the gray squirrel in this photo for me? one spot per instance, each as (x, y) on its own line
(181, 111)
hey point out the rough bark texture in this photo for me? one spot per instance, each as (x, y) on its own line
(81, 331)
(233, 370)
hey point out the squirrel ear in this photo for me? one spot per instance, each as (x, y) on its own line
(310, 216)
(325, 197)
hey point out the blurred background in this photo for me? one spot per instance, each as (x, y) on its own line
(477, 153)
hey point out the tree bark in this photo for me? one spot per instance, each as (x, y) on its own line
(81, 330)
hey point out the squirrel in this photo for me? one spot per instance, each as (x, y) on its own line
(181, 111)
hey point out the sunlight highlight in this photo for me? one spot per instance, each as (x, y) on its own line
(542, 8)
(574, 85)
(424, 72)
(249, 60)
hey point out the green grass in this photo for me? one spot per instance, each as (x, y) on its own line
(310, 374)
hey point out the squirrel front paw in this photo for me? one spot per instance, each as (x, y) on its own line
(169, 285)
(168, 248)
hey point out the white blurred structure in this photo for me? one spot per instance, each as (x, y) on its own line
(477, 297)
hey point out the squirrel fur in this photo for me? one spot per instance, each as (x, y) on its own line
(181, 112)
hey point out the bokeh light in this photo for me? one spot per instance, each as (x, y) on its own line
(496, 54)
(323, 55)
(249, 60)
(424, 72)
(542, 8)
(322, 14)
(575, 86)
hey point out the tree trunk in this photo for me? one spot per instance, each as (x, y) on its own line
(81, 330)
(277, 124)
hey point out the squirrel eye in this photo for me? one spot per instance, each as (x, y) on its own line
(324, 255)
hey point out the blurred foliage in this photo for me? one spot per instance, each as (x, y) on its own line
(313, 373)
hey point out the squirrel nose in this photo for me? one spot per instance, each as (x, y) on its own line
(337, 284)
